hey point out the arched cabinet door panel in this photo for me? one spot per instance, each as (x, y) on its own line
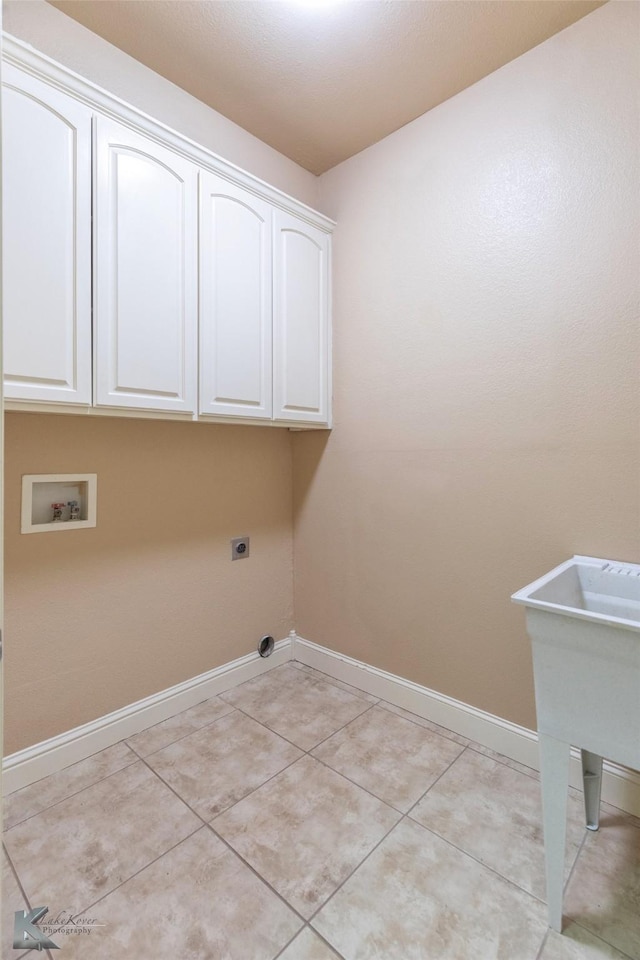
(301, 372)
(235, 300)
(145, 273)
(46, 218)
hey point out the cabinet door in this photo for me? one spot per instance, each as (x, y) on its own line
(301, 340)
(235, 300)
(46, 219)
(145, 273)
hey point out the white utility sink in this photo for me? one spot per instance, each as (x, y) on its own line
(583, 619)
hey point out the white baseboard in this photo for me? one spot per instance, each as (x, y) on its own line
(620, 787)
(33, 763)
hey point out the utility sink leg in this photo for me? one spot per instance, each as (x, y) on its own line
(554, 773)
(592, 780)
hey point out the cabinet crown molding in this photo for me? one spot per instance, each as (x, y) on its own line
(32, 61)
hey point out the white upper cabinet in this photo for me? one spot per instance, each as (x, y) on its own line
(235, 300)
(145, 273)
(145, 276)
(301, 369)
(46, 169)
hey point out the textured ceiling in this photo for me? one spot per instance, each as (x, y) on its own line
(320, 82)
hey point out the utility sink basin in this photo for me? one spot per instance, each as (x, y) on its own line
(583, 619)
(585, 586)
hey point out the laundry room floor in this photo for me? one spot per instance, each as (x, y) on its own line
(298, 818)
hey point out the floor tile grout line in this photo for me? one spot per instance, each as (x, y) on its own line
(288, 943)
(122, 882)
(471, 744)
(232, 707)
(574, 864)
(629, 819)
(77, 792)
(75, 763)
(318, 760)
(384, 704)
(184, 736)
(135, 757)
(407, 816)
(267, 727)
(437, 780)
(264, 724)
(466, 853)
(505, 761)
(339, 729)
(255, 872)
(542, 945)
(330, 945)
(335, 683)
(342, 685)
(374, 796)
(482, 863)
(25, 897)
(351, 872)
(307, 926)
(297, 745)
(307, 753)
(463, 748)
(435, 832)
(403, 815)
(203, 822)
(596, 936)
(172, 789)
(577, 920)
(138, 872)
(495, 755)
(207, 823)
(253, 790)
(125, 742)
(24, 894)
(15, 874)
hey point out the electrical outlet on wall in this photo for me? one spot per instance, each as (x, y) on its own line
(240, 548)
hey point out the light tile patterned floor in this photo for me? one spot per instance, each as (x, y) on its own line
(298, 818)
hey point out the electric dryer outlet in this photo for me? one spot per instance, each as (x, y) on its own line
(240, 548)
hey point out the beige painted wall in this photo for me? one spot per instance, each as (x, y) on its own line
(487, 382)
(99, 618)
(486, 400)
(66, 41)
